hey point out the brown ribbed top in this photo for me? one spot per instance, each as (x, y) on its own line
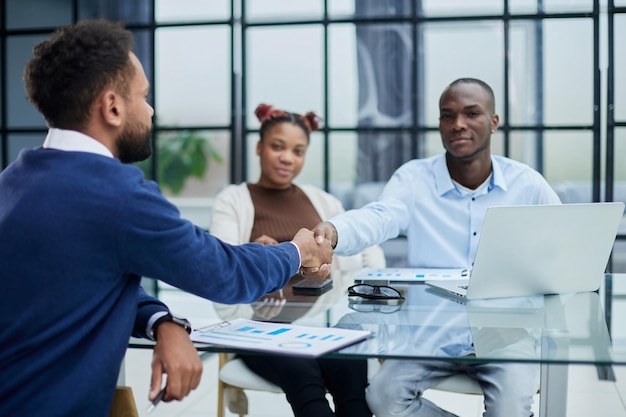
(279, 214)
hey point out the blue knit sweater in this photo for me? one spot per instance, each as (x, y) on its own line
(77, 231)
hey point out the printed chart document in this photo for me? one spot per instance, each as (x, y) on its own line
(279, 338)
(409, 274)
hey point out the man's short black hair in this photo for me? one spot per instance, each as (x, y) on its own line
(73, 66)
(476, 81)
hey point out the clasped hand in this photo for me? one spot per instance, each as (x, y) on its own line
(316, 253)
(324, 234)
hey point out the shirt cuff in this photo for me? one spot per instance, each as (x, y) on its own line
(342, 231)
(153, 320)
(299, 254)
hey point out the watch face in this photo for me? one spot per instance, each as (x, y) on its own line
(183, 322)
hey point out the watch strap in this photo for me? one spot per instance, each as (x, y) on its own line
(183, 322)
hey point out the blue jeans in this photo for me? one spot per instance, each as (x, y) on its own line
(396, 389)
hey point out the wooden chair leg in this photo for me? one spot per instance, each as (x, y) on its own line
(220, 386)
(123, 403)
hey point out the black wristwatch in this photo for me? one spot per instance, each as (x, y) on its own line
(170, 317)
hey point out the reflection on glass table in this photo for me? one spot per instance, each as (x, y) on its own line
(566, 328)
(551, 330)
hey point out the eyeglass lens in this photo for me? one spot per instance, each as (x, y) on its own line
(374, 290)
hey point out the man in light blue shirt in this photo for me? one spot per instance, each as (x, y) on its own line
(439, 203)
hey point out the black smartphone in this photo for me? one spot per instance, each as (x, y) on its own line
(310, 286)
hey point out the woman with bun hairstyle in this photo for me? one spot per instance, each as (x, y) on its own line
(271, 211)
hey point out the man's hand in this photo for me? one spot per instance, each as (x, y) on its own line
(176, 356)
(323, 232)
(269, 306)
(327, 231)
(316, 253)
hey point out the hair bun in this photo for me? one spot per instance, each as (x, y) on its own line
(312, 121)
(263, 112)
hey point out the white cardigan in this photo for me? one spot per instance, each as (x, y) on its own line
(232, 221)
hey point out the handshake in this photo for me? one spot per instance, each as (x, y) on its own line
(316, 249)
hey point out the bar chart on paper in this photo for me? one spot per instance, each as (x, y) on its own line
(279, 338)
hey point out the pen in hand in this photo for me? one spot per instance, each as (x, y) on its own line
(156, 401)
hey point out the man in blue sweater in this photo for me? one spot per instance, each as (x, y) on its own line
(80, 228)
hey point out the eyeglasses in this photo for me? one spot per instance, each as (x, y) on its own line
(375, 292)
(374, 306)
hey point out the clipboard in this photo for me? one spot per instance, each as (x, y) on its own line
(278, 338)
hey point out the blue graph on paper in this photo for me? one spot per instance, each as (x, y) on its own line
(278, 337)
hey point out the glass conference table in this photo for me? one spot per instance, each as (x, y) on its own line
(552, 331)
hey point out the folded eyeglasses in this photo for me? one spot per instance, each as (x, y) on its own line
(375, 292)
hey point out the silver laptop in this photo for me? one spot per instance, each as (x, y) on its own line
(543, 249)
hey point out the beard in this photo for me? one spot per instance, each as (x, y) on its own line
(133, 144)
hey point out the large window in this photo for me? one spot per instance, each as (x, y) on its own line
(373, 69)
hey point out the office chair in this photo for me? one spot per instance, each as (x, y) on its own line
(234, 377)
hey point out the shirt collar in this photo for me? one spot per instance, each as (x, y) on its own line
(444, 181)
(73, 141)
(497, 179)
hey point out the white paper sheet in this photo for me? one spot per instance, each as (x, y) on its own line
(279, 338)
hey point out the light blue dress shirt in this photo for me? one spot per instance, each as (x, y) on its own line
(441, 220)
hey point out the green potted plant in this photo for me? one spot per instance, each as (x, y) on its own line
(181, 155)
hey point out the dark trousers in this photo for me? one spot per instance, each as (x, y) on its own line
(305, 382)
